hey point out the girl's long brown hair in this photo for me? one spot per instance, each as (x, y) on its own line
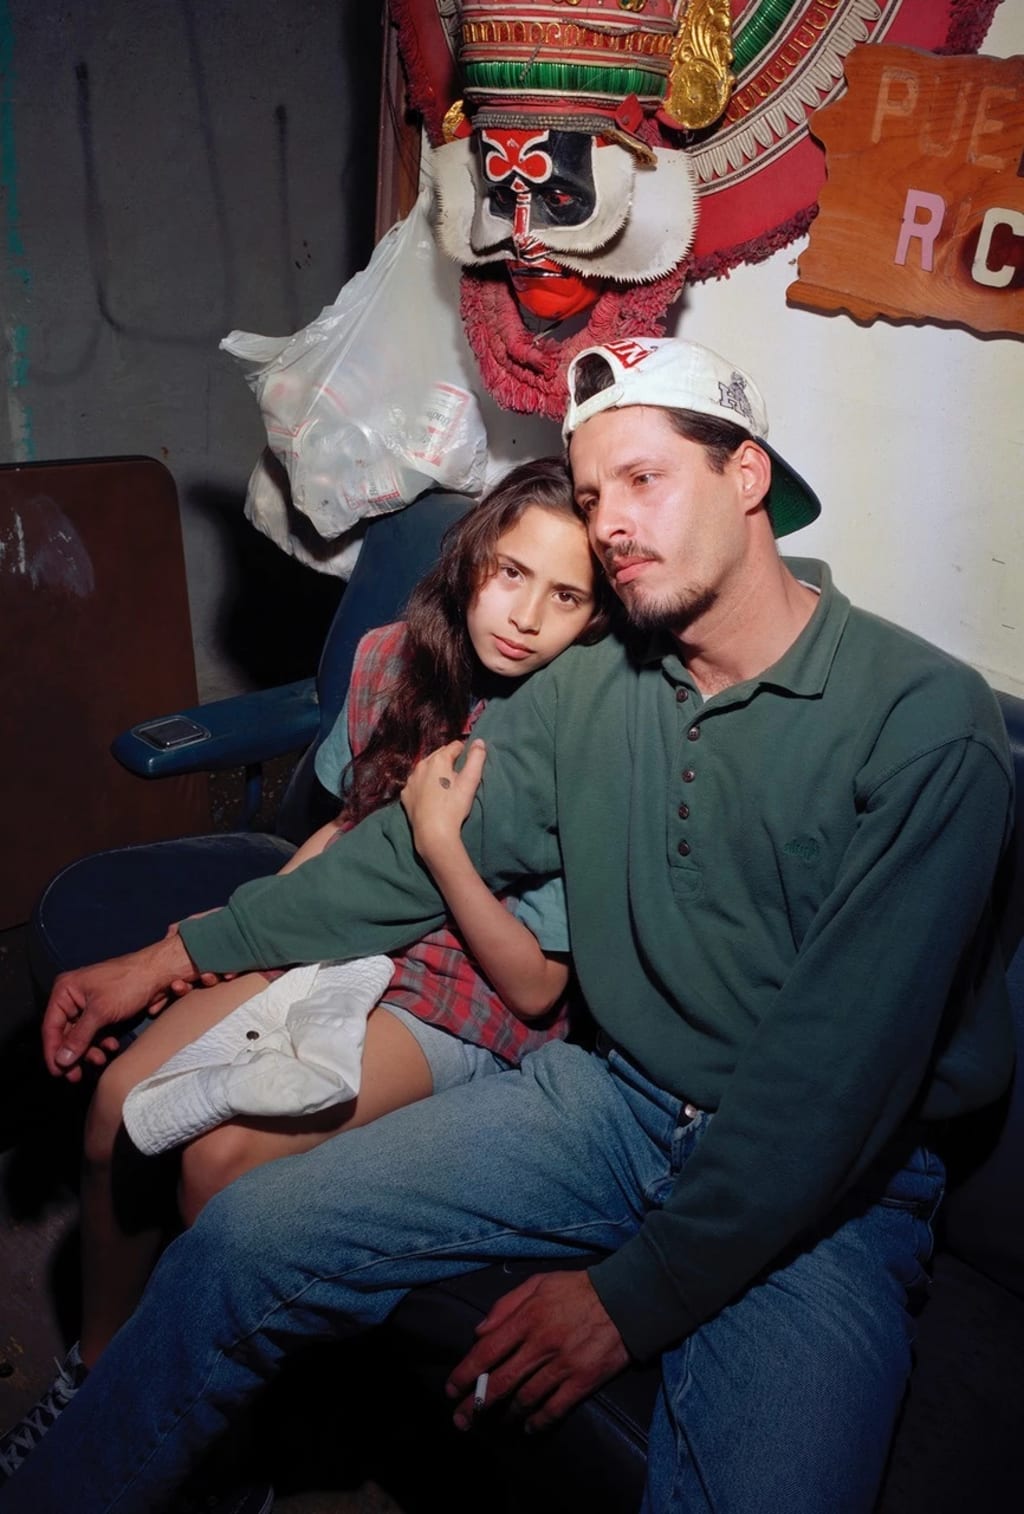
(431, 695)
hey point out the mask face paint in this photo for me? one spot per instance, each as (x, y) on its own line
(533, 182)
(539, 177)
(549, 292)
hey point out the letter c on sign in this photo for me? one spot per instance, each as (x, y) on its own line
(981, 273)
(925, 231)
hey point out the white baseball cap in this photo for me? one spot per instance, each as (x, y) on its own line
(676, 375)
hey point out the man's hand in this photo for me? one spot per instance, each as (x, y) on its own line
(87, 999)
(545, 1346)
(181, 986)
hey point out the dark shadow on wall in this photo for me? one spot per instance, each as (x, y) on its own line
(360, 36)
(274, 612)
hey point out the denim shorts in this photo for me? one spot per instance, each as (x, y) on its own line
(451, 1060)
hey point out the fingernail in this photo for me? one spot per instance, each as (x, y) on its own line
(65, 1057)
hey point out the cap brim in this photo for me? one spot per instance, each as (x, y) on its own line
(792, 503)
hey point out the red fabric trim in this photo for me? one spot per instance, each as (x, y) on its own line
(430, 75)
(970, 22)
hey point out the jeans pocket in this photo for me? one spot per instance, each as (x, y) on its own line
(918, 1187)
(685, 1139)
(906, 1242)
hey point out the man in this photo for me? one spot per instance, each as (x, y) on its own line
(778, 818)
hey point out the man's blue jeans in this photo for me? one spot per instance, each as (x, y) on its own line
(783, 1404)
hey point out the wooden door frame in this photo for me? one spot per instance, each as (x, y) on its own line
(398, 138)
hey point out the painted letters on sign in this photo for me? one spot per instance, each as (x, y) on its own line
(922, 217)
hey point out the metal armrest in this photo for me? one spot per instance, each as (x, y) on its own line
(246, 730)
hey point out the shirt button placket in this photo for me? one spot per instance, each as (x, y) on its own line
(683, 847)
(688, 774)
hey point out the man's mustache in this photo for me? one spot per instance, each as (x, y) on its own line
(623, 551)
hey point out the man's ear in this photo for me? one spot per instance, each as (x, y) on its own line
(754, 471)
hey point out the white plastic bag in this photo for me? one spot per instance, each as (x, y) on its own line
(372, 402)
(268, 506)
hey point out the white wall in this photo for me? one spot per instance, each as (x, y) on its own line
(913, 437)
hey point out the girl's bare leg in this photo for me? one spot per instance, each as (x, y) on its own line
(126, 1197)
(395, 1073)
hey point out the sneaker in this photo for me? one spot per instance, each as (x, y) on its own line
(16, 1445)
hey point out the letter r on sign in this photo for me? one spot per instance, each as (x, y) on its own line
(925, 231)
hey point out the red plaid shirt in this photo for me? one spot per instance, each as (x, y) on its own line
(437, 979)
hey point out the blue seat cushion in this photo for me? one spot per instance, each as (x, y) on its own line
(117, 901)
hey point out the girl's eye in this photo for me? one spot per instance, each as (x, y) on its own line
(566, 597)
(509, 571)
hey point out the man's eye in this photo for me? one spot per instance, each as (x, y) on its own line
(586, 507)
(503, 201)
(558, 198)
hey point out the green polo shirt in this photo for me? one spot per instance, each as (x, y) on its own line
(777, 906)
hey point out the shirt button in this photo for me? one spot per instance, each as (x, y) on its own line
(682, 695)
(683, 848)
(693, 734)
(684, 812)
(688, 775)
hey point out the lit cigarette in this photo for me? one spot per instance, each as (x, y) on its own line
(480, 1391)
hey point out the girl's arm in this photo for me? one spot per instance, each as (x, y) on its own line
(332, 760)
(313, 845)
(437, 800)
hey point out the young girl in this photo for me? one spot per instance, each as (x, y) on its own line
(514, 586)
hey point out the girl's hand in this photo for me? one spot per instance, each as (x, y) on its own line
(437, 799)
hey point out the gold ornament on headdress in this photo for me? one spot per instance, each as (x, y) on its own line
(454, 117)
(701, 82)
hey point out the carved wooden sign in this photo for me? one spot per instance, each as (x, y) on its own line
(922, 217)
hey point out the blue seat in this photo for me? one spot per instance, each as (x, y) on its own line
(115, 901)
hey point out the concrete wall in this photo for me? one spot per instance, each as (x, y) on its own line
(171, 169)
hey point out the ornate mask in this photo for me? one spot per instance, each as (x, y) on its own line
(559, 168)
